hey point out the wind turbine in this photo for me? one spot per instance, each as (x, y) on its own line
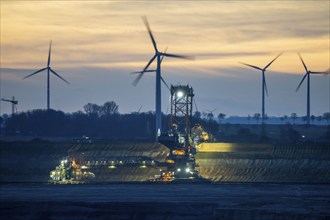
(13, 104)
(49, 69)
(158, 55)
(155, 70)
(264, 85)
(210, 115)
(307, 74)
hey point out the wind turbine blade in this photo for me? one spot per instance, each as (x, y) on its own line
(195, 105)
(177, 56)
(59, 76)
(50, 50)
(255, 67)
(35, 73)
(136, 72)
(147, 71)
(135, 82)
(165, 83)
(150, 61)
(303, 62)
(212, 110)
(318, 72)
(146, 23)
(273, 60)
(301, 82)
(161, 60)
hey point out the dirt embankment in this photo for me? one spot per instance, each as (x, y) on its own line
(33, 161)
(221, 162)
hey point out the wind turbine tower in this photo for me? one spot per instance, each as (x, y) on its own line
(13, 104)
(158, 55)
(49, 69)
(307, 74)
(264, 85)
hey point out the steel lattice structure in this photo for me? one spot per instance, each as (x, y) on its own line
(181, 108)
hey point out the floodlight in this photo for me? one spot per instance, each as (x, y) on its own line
(179, 94)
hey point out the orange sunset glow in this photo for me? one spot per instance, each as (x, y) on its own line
(96, 45)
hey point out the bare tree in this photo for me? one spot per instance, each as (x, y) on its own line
(210, 116)
(294, 117)
(313, 117)
(197, 114)
(249, 118)
(326, 116)
(109, 108)
(256, 117)
(285, 118)
(221, 116)
(91, 109)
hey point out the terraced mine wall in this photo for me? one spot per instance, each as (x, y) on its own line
(32, 161)
(234, 162)
(219, 162)
(130, 154)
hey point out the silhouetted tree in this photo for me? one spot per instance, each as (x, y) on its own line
(94, 121)
(313, 117)
(326, 117)
(294, 117)
(197, 115)
(285, 118)
(304, 118)
(210, 116)
(256, 117)
(221, 116)
(249, 118)
(92, 109)
(108, 108)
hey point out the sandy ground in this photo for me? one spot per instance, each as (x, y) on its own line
(219, 162)
(296, 180)
(165, 201)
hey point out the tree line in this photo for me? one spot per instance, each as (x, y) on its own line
(97, 121)
(105, 121)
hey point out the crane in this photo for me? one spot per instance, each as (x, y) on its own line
(13, 103)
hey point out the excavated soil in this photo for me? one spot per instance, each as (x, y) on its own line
(219, 162)
(249, 163)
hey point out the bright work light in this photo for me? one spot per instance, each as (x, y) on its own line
(179, 94)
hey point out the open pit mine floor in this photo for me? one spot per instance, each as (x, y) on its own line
(246, 181)
(165, 201)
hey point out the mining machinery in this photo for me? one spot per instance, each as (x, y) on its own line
(70, 172)
(181, 138)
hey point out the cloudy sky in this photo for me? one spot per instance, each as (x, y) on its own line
(96, 44)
